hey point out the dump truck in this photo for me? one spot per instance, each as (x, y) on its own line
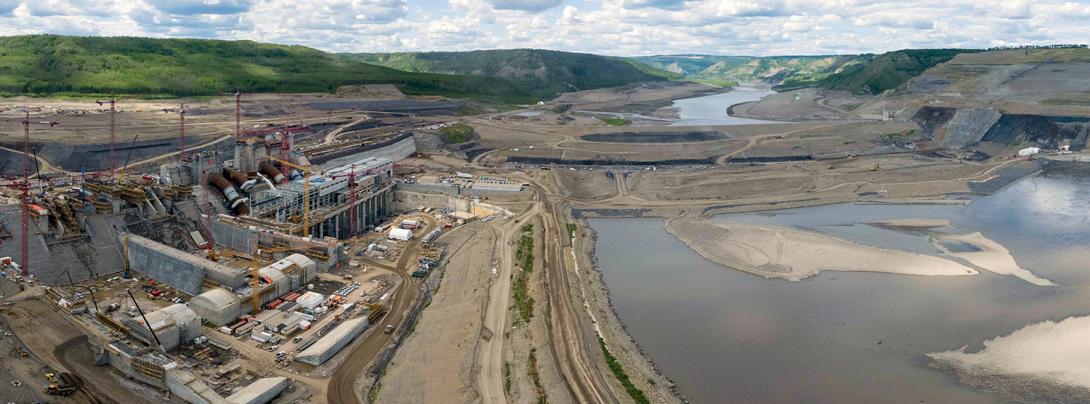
(62, 384)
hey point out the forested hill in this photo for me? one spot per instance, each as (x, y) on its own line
(547, 72)
(874, 74)
(860, 74)
(151, 67)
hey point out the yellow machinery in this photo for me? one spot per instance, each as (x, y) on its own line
(273, 250)
(307, 171)
(62, 385)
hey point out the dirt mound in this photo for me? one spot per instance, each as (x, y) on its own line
(370, 91)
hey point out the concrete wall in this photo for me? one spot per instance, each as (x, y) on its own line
(121, 360)
(397, 151)
(260, 391)
(180, 270)
(407, 200)
(186, 386)
(333, 342)
(242, 239)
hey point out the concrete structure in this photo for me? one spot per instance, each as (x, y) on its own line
(276, 279)
(184, 385)
(400, 234)
(173, 326)
(147, 366)
(329, 198)
(187, 320)
(138, 362)
(297, 268)
(310, 300)
(494, 187)
(217, 306)
(398, 148)
(239, 234)
(182, 271)
(260, 391)
(331, 343)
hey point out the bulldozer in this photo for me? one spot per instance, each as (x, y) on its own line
(62, 384)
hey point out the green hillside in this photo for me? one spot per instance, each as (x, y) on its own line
(50, 64)
(875, 74)
(547, 72)
(730, 70)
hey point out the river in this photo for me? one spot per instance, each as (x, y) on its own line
(727, 336)
(712, 109)
(705, 110)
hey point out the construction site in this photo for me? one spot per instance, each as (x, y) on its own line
(290, 248)
(220, 275)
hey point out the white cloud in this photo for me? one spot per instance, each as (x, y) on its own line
(615, 27)
(525, 5)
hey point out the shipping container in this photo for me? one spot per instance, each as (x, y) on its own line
(245, 328)
(261, 337)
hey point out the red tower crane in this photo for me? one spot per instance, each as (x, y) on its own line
(25, 247)
(285, 145)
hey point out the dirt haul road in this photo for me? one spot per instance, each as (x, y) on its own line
(490, 353)
(342, 386)
(573, 344)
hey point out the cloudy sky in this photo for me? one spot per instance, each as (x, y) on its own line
(613, 27)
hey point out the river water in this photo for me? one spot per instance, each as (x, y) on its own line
(712, 109)
(727, 336)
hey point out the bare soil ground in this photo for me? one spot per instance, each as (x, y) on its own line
(533, 336)
(81, 121)
(43, 330)
(644, 97)
(801, 105)
(586, 184)
(443, 345)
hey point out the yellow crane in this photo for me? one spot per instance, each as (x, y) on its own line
(278, 249)
(307, 171)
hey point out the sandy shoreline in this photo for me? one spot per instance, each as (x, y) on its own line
(992, 257)
(1040, 362)
(777, 252)
(792, 254)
